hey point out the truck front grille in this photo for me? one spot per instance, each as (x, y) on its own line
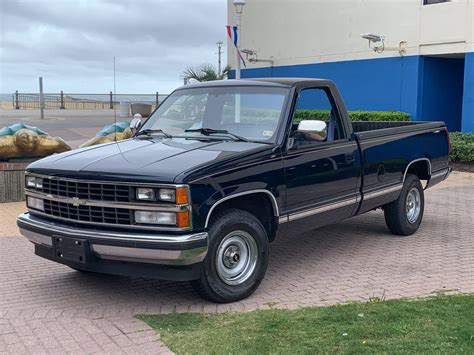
(93, 214)
(87, 190)
(97, 202)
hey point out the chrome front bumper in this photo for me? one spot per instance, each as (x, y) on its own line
(165, 249)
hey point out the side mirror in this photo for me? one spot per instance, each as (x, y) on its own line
(135, 123)
(313, 130)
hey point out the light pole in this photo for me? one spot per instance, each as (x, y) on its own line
(239, 6)
(219, 53)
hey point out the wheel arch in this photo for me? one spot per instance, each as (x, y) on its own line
(420, 167)
(260, 203)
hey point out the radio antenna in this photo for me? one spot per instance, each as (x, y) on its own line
(115, 109)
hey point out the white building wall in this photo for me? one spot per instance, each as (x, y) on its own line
(304, 31)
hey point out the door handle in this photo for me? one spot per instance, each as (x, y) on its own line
(350, 158)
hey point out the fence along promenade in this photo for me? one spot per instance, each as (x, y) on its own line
(81, 101)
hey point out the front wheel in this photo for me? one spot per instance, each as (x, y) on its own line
(403, 216)
(237, 257)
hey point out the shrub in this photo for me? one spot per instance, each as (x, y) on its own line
(374, 116)
(462, 147)
(379, 116)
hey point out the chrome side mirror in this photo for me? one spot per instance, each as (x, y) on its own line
(135, 123)
(313, 130)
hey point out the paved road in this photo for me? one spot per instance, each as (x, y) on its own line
(49, 307)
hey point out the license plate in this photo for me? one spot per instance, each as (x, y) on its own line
(70, 249)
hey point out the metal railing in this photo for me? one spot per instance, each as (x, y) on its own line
(81, 101)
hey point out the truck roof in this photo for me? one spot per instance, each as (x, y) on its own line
(281, 82)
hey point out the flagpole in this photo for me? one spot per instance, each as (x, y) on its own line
(237, 53)
(239, 4)
(237, 70)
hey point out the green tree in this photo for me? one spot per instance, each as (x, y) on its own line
(205, 72)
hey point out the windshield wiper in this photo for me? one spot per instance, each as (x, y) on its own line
(209, 131)
(151, 131)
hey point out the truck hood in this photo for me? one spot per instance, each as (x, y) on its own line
(137, 158)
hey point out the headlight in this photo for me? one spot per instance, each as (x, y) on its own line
(146, 194)
(178, 219)
(35, 203)
(167, 195)
(177, 195)
(34, 182)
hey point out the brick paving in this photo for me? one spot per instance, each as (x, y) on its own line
(8, 213)
(49, 308)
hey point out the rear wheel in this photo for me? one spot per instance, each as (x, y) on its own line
(237, 258)
(403, 216)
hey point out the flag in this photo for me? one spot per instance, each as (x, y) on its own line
(232, 33)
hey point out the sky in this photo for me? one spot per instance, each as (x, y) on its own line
(71, 43)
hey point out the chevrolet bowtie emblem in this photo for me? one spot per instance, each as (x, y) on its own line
(77, 202)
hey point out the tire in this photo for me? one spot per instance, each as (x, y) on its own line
(237, 257)
(403, 216)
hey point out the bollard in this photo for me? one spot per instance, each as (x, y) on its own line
(111, 101)
(41, 98)
(62, 107)
(17, 105)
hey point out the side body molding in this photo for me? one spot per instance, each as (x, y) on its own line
(272, 199)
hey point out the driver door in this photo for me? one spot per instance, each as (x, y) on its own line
(321, 175)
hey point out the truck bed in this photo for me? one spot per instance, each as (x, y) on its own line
(366, 130)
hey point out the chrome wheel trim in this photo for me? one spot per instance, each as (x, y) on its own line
(413, 205)
(236, 257)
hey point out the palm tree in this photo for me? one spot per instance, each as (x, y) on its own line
(205, 72)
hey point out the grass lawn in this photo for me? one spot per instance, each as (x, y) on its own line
(436, 325)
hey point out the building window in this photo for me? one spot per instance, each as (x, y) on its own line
(430, 2)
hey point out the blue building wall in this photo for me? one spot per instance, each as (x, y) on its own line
(441, 91)
(407, 84)
(468, 97)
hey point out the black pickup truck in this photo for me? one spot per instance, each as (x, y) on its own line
(218, 172)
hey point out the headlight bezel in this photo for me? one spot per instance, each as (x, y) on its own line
(165, 196)
(178, 195)
(33, 182)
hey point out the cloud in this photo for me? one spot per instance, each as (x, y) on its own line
(71, 43)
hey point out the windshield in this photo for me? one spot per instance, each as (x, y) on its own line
(249, 112)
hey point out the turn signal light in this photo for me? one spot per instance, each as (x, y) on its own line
(182, 196)
(182, 219)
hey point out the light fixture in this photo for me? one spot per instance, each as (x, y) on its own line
(146, 193)
(178, 219)
(252, 57)
(178, 195)
(154, 217)
(377, 43)
(167, 195)
(239, 5)
(372, 37)
(35, 203)
(34, 182)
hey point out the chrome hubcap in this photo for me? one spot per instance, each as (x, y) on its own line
(237, 256)
(413, 205)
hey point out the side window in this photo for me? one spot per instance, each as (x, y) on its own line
(315, 104)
